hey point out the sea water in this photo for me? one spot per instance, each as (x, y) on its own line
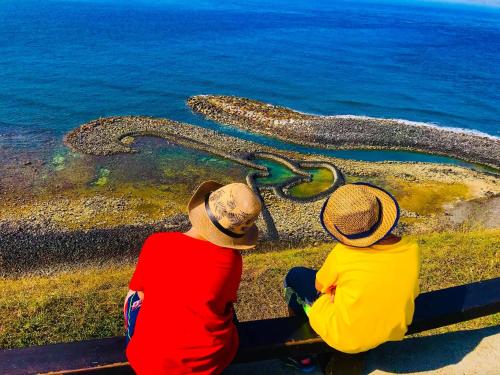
(63, 63)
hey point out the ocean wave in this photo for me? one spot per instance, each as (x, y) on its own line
(402, 121)
(418, 123)
(430, 112)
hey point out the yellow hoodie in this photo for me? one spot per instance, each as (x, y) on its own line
(375, 289)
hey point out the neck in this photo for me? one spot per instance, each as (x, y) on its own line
(389, 240)
(194, 234)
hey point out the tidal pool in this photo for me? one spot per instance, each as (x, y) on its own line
(322, 178)
(278, 173)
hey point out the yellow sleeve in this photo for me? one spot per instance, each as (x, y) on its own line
(327, 274)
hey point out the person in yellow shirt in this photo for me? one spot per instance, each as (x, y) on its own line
(364, 293)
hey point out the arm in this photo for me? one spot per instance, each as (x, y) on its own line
(137, 282)
(330, 290)
(327, 275)
(318, 286)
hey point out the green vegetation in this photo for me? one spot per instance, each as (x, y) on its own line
(423, 198)
(278, 173)
(65, 307)
(322, 179)
(102, 178)
(87, 303)
(448, 258)
(428, 198)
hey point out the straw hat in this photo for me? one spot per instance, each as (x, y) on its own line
(225, 215)
(360, 214)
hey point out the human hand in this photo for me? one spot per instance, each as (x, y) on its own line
(331, 293)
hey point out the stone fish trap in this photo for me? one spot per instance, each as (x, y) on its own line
(282, 189)
(107, 136)
(347, 131)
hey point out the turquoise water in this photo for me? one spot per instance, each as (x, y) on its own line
(278, 173)
(321, 178)
(63, 63)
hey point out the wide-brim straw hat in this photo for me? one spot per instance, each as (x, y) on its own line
(219, 213)
(360, 214)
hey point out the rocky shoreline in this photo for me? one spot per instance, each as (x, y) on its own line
(116, 134)
(113, 135)
(35, 242)
(346, 132)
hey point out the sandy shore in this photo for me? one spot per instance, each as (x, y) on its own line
(347, 132)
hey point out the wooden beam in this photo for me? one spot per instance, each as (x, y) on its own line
(259, 340)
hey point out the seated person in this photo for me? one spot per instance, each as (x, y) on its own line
(364, 293)
(179, 310)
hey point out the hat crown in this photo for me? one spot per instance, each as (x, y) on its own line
(353, 210)
(235, 206)
(359, 214)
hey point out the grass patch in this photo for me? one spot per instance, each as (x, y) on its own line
(87, 303)
(65, 307)
(449, 258)
(427, 198)
(423, 198)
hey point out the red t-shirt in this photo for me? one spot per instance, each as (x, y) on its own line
(185, 324)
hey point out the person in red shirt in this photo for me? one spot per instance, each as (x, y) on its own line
(179, 309)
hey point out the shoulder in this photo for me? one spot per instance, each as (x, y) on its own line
(229, 257)
(410, 243)
(160, 239)
(161, 236)
(339, 250)
(232, 255)
(411, 248)
(237, 258)
(334, 254)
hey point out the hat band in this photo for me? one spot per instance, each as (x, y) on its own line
(369, 232)
(218, 225)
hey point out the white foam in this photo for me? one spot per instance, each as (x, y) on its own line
(474, 132)
(426, 124)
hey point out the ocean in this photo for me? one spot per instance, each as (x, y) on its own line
(63, 63)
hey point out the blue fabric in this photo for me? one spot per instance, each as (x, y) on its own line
(300, 289)
(132, 308)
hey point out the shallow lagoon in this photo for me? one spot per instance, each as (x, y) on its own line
(414, 61)
(322, 179)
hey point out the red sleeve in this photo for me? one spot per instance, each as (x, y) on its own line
(137, 281)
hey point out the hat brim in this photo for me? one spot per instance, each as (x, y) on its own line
(201, 222)
(389, 219)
